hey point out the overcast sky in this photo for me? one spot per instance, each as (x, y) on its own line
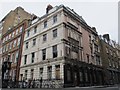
(102, 15)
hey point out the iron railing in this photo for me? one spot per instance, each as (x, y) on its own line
(37, 84)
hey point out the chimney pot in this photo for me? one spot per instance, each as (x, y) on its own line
(49, 7)
(106, 36)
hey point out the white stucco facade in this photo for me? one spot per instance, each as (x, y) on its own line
(70, 43)
(40, 45)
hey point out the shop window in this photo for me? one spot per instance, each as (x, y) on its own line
(50, 72)
(55, 51)
(57, 71)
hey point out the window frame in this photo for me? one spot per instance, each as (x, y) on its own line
(34, 41)
(28, 33)
(35, 29)
(14, 44)
(55, 52)
(44, 37)
(21, 29)
(57, 71)
(45, 24)
(17, 32)
(32, 74)
(49, 71)
(55, 33)
(68, 75)
(10, 36)
(13, 34)
(16, 56)
(32, 57)
(25, 59)
(43, 54)
(26, 45)
(54, 19)
(18, 41)
(26, 73)
(40, 72)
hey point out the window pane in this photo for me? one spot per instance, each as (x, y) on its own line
(41, 73)
(9, 36)
(25, 59)
(34, 41)
(50, 72)
(68, 75)
(21, 29)
(54, 51)
(13, 57)
(16, 57)
(26, 74)
(33, 56)
(86, 76)
(35, 29)
(45, 24)
(18, 43)
(14, 43)
(10, 45)
(44, 37)
(55, 33)
(28, 33)
(58, 72)
(27, 45)
(44, 54)
(32, 74)
(16, 31)
(55, 19)
(81, 76)
(13, 34)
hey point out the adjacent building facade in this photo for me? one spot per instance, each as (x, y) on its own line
(13, 18)
(12, 44)
(13, 26)
(110, 56)
(0, 56)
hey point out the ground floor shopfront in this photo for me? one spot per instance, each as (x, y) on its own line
(82, 74)
(77, 73)
(112, 76)
(68, 73)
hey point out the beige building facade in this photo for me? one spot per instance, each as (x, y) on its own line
(13, 18)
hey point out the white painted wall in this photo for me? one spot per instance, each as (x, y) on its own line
(42, 45)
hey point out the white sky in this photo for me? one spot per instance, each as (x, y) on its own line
(102, 14)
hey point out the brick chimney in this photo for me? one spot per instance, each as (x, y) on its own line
(49, 7)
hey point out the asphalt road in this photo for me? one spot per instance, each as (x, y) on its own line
(76, 88)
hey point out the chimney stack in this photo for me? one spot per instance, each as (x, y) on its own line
(93, 28)
(106, 36)
(49, 7)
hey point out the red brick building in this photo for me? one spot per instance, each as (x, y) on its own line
(13, 26)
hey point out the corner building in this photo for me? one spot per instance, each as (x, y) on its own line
(60, 46)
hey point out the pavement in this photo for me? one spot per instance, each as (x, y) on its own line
(78, 88)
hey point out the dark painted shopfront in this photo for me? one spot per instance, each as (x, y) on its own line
(82, 74)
